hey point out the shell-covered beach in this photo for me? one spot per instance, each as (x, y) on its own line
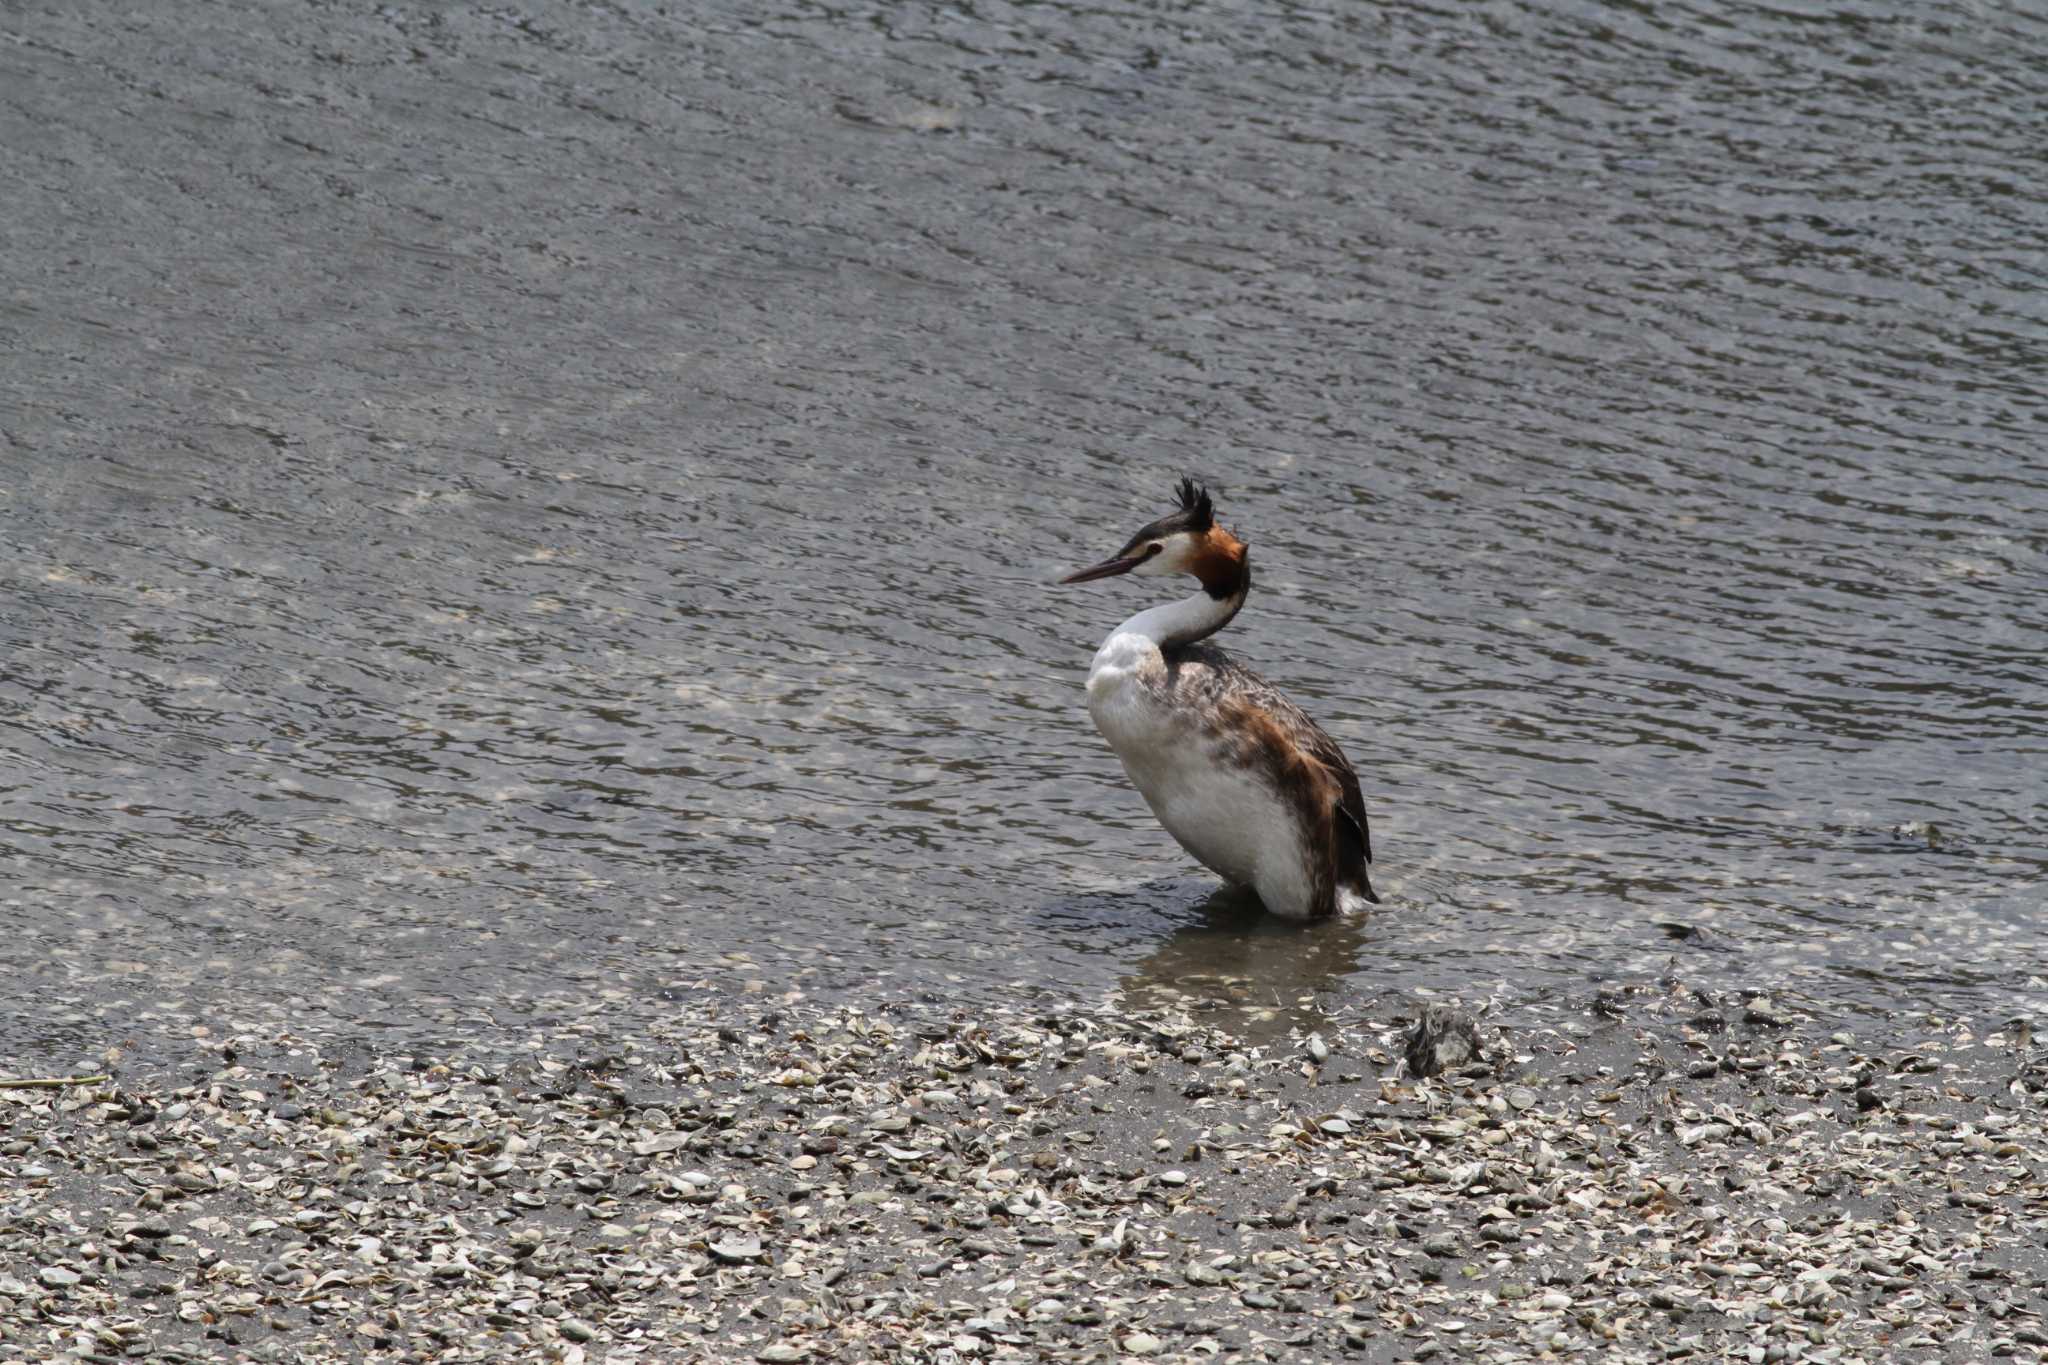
(1653, 1176)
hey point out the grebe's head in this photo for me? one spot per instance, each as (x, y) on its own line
(1185, 541)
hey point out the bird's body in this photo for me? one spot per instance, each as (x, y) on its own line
(1247, 783)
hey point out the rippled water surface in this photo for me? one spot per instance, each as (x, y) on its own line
(505, 506)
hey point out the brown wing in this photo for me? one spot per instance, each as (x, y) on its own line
(1352, 804)
(1354, 832)
(1207, 674)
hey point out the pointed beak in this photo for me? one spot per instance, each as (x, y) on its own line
(1108, 568)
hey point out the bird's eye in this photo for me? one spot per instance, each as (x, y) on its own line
(1154, 548)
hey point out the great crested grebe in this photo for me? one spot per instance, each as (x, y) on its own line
(1236, 772)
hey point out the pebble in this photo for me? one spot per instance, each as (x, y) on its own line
(661, 1142)
(737, 1250)
(1143, 1344)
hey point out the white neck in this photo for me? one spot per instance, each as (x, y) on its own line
(1181, 623)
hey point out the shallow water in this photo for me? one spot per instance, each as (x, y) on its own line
(504, 506)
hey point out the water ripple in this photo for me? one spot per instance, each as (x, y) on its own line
(610, 542)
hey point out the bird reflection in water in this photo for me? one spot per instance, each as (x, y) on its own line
(1248, 972)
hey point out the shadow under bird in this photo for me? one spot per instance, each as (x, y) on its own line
(1247, 783)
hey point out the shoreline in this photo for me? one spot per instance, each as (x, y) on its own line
(1658, 1176)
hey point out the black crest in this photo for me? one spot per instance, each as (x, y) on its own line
(1194, 504)
(1196, 515)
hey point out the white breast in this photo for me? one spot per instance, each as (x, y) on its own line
(1227, 816)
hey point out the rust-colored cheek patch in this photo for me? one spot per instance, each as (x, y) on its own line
(1219, 563)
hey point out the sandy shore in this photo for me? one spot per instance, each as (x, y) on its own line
(1653, 1176)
